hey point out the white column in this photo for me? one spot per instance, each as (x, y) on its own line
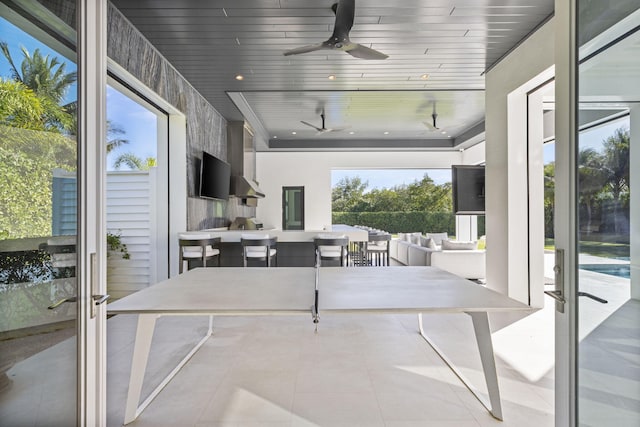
(467, 227)
(634, 178)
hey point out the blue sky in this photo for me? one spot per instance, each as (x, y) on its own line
(140, 125)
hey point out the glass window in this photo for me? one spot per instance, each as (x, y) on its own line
(38, 199)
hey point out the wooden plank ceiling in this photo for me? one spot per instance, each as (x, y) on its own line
(438, 51)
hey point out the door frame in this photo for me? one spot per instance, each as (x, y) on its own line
(92, 257)
(565, 228)
(284, 210)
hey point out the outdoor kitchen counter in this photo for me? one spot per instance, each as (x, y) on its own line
(295, 248)
(354, 234)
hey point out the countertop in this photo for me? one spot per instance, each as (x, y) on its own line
(354, 234)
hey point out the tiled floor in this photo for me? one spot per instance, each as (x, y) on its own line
(356, 371)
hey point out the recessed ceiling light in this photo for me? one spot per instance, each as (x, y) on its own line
(351, 133)
(444, 132)
(424, 76)
(332, 77)
(239, 77)
(294, 133)
(275, 136)
(386, 132)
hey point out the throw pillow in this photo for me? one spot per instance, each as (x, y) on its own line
(438, 237)
(402, 237)
(415, 238)
(460, 246)
(432, 245)
(427, 242)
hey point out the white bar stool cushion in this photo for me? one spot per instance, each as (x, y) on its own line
(196, 251)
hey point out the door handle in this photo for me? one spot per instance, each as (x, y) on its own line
(593, 297)
(62, 301)
(558, 293)
(100, 299)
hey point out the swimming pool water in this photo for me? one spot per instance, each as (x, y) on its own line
(619, 270)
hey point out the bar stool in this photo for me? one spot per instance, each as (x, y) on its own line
(331, 248)
(259, 247)
(378, 248)
(195, 247)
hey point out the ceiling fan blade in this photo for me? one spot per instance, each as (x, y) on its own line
(306, 49)
(345, 11)
(338, 129)
(363, 52)
(315, 127)
(430, 126)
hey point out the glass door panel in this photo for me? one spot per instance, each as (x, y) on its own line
(293, 208)
(608, 210)
(38, 225)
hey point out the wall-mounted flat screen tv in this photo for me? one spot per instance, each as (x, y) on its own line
(215, 177)
(468, 189)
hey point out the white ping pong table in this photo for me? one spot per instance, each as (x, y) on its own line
(312, 292)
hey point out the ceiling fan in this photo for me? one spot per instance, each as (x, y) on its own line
(433, 127)
(339, 40)
(323, 129)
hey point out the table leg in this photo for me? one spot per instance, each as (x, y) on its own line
(485, 346)
(144, 335)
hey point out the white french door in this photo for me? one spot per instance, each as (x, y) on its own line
(52, 240)
(596, 213)
(92, 253)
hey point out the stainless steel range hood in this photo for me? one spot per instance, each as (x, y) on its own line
(245, 188)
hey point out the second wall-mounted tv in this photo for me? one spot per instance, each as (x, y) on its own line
(215, 177)
(468, 189)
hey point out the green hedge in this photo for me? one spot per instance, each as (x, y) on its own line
(404, 222)
(400, 222)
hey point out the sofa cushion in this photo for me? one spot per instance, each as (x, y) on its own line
(459, 246)
(428, 242)
(437, 237)
(419, 255)
(467, 264)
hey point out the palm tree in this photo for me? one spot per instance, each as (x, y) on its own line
(134, 162)
(590, 179)
(19, 106)
(114, 131)
(48, 79)
(45, 76)
(616, 165)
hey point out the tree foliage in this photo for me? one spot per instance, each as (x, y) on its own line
(134, 162)
(27, 161)
(49, 81)
(603, 187)
(350, 195)
(33, 131)
(19, 106)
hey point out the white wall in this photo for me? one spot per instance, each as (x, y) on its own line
(313, 171)
(474, 155)
(506, 160)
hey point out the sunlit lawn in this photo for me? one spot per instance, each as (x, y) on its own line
(601, 249)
